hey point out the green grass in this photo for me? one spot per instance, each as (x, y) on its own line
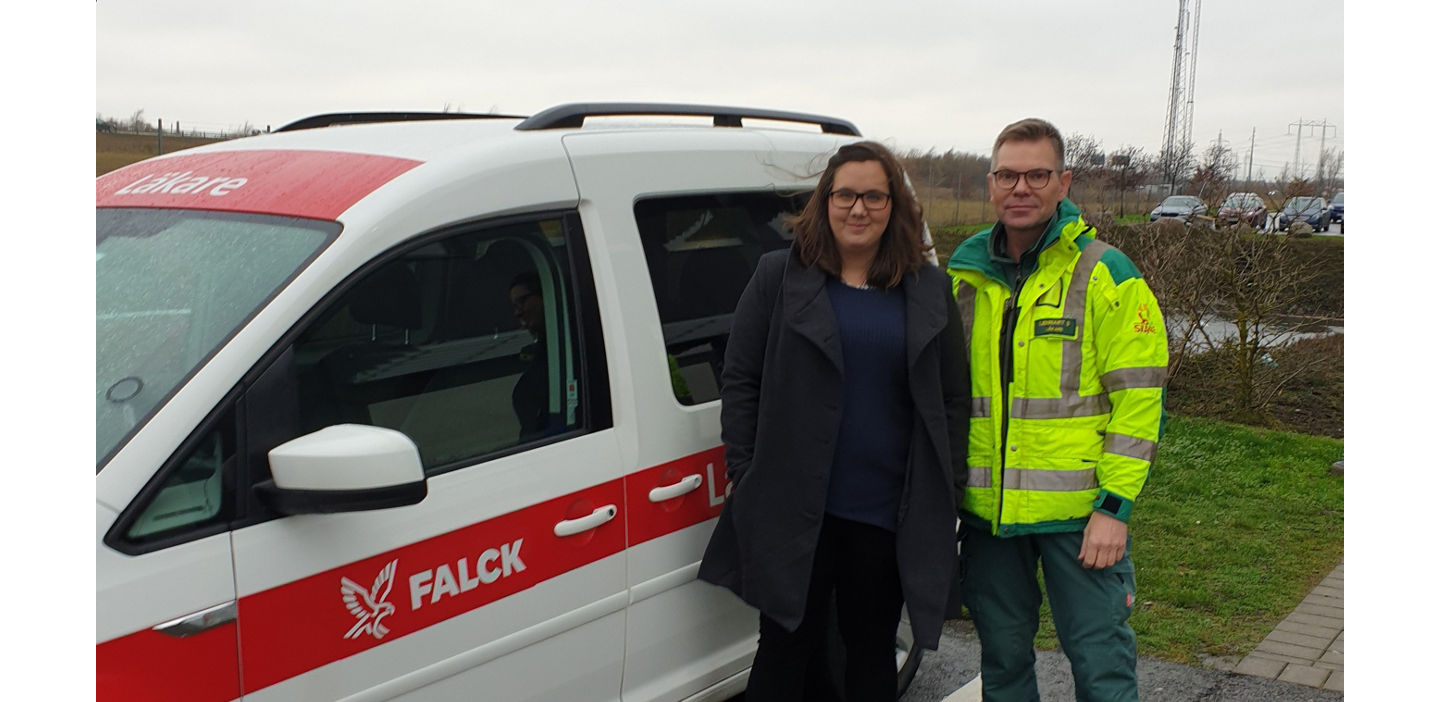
(1233, 529)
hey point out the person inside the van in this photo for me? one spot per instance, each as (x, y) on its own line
(844, 412)
(531, 397)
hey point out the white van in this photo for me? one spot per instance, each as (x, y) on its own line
(425, 406)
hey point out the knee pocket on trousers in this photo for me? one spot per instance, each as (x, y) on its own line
(1124, 584)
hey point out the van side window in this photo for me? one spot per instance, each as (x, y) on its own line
(468, 344)
(701, 251)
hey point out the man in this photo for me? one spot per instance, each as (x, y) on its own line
(530, 397)
(1067, 362)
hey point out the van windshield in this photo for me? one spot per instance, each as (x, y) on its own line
(171, 286)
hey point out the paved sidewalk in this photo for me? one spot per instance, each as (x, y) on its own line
(1307, 647)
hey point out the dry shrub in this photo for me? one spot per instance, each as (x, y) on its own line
(1166, 226)
(1102, 221)
(1233, 275)
(1302, 382)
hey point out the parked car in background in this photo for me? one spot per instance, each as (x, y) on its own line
(1337, 210)
(1182, 207)
(1309, 209)
(1243, 207)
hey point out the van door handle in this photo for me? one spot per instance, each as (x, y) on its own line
(199, 621)
(668, 492)
(570, 527)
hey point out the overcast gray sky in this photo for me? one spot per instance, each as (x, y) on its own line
(915, 73)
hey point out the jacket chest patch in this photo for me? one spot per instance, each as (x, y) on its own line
(1060, 326)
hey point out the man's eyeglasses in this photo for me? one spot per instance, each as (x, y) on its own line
(1036, 178)
(873, 199)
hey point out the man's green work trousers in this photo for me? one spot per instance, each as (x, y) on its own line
(1090, 608)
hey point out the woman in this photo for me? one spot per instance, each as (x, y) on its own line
(844, 389)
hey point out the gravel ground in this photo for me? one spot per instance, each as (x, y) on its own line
(958, 662)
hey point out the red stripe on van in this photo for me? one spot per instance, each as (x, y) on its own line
(305, 624)
(312, 184)
(650, 520)
(149, 666)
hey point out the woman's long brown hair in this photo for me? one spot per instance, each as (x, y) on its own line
(902, 246)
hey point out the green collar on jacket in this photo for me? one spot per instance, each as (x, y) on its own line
(975, 252)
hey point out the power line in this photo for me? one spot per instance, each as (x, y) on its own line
(1299, 127)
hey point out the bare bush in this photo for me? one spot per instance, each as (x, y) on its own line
(1168, 226)
(1102, 221)
(1255, 284)
(1165, 257)
(1247, 280)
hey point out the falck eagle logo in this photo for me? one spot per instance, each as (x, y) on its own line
(369, 606)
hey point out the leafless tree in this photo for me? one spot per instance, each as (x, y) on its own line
(1086, 160)
(107, 124)
(1173, 165)
(1128, 168)
(1328, 169)
(1213, 178)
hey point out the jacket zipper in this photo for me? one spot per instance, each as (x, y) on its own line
(1009, 319)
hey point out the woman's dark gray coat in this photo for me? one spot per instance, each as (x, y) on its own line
(780, 413)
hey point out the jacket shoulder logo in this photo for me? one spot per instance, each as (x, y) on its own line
(369, 606)
(1143, 326)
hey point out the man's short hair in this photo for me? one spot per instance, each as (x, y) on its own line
(1031, 129)
(528, 279)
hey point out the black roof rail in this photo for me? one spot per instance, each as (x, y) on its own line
(572, 115)
(334, 118)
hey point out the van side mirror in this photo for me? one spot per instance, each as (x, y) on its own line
(344, 468)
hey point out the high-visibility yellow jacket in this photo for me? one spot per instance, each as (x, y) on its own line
(1071, 425)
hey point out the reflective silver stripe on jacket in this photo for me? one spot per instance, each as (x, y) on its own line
(1037, 480)
(1129, 378)
(1062, 408)
(1075, 297)
(979, 407)
(1132, 446)
(965, 301)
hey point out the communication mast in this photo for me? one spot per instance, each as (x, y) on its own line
(1180, 111)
